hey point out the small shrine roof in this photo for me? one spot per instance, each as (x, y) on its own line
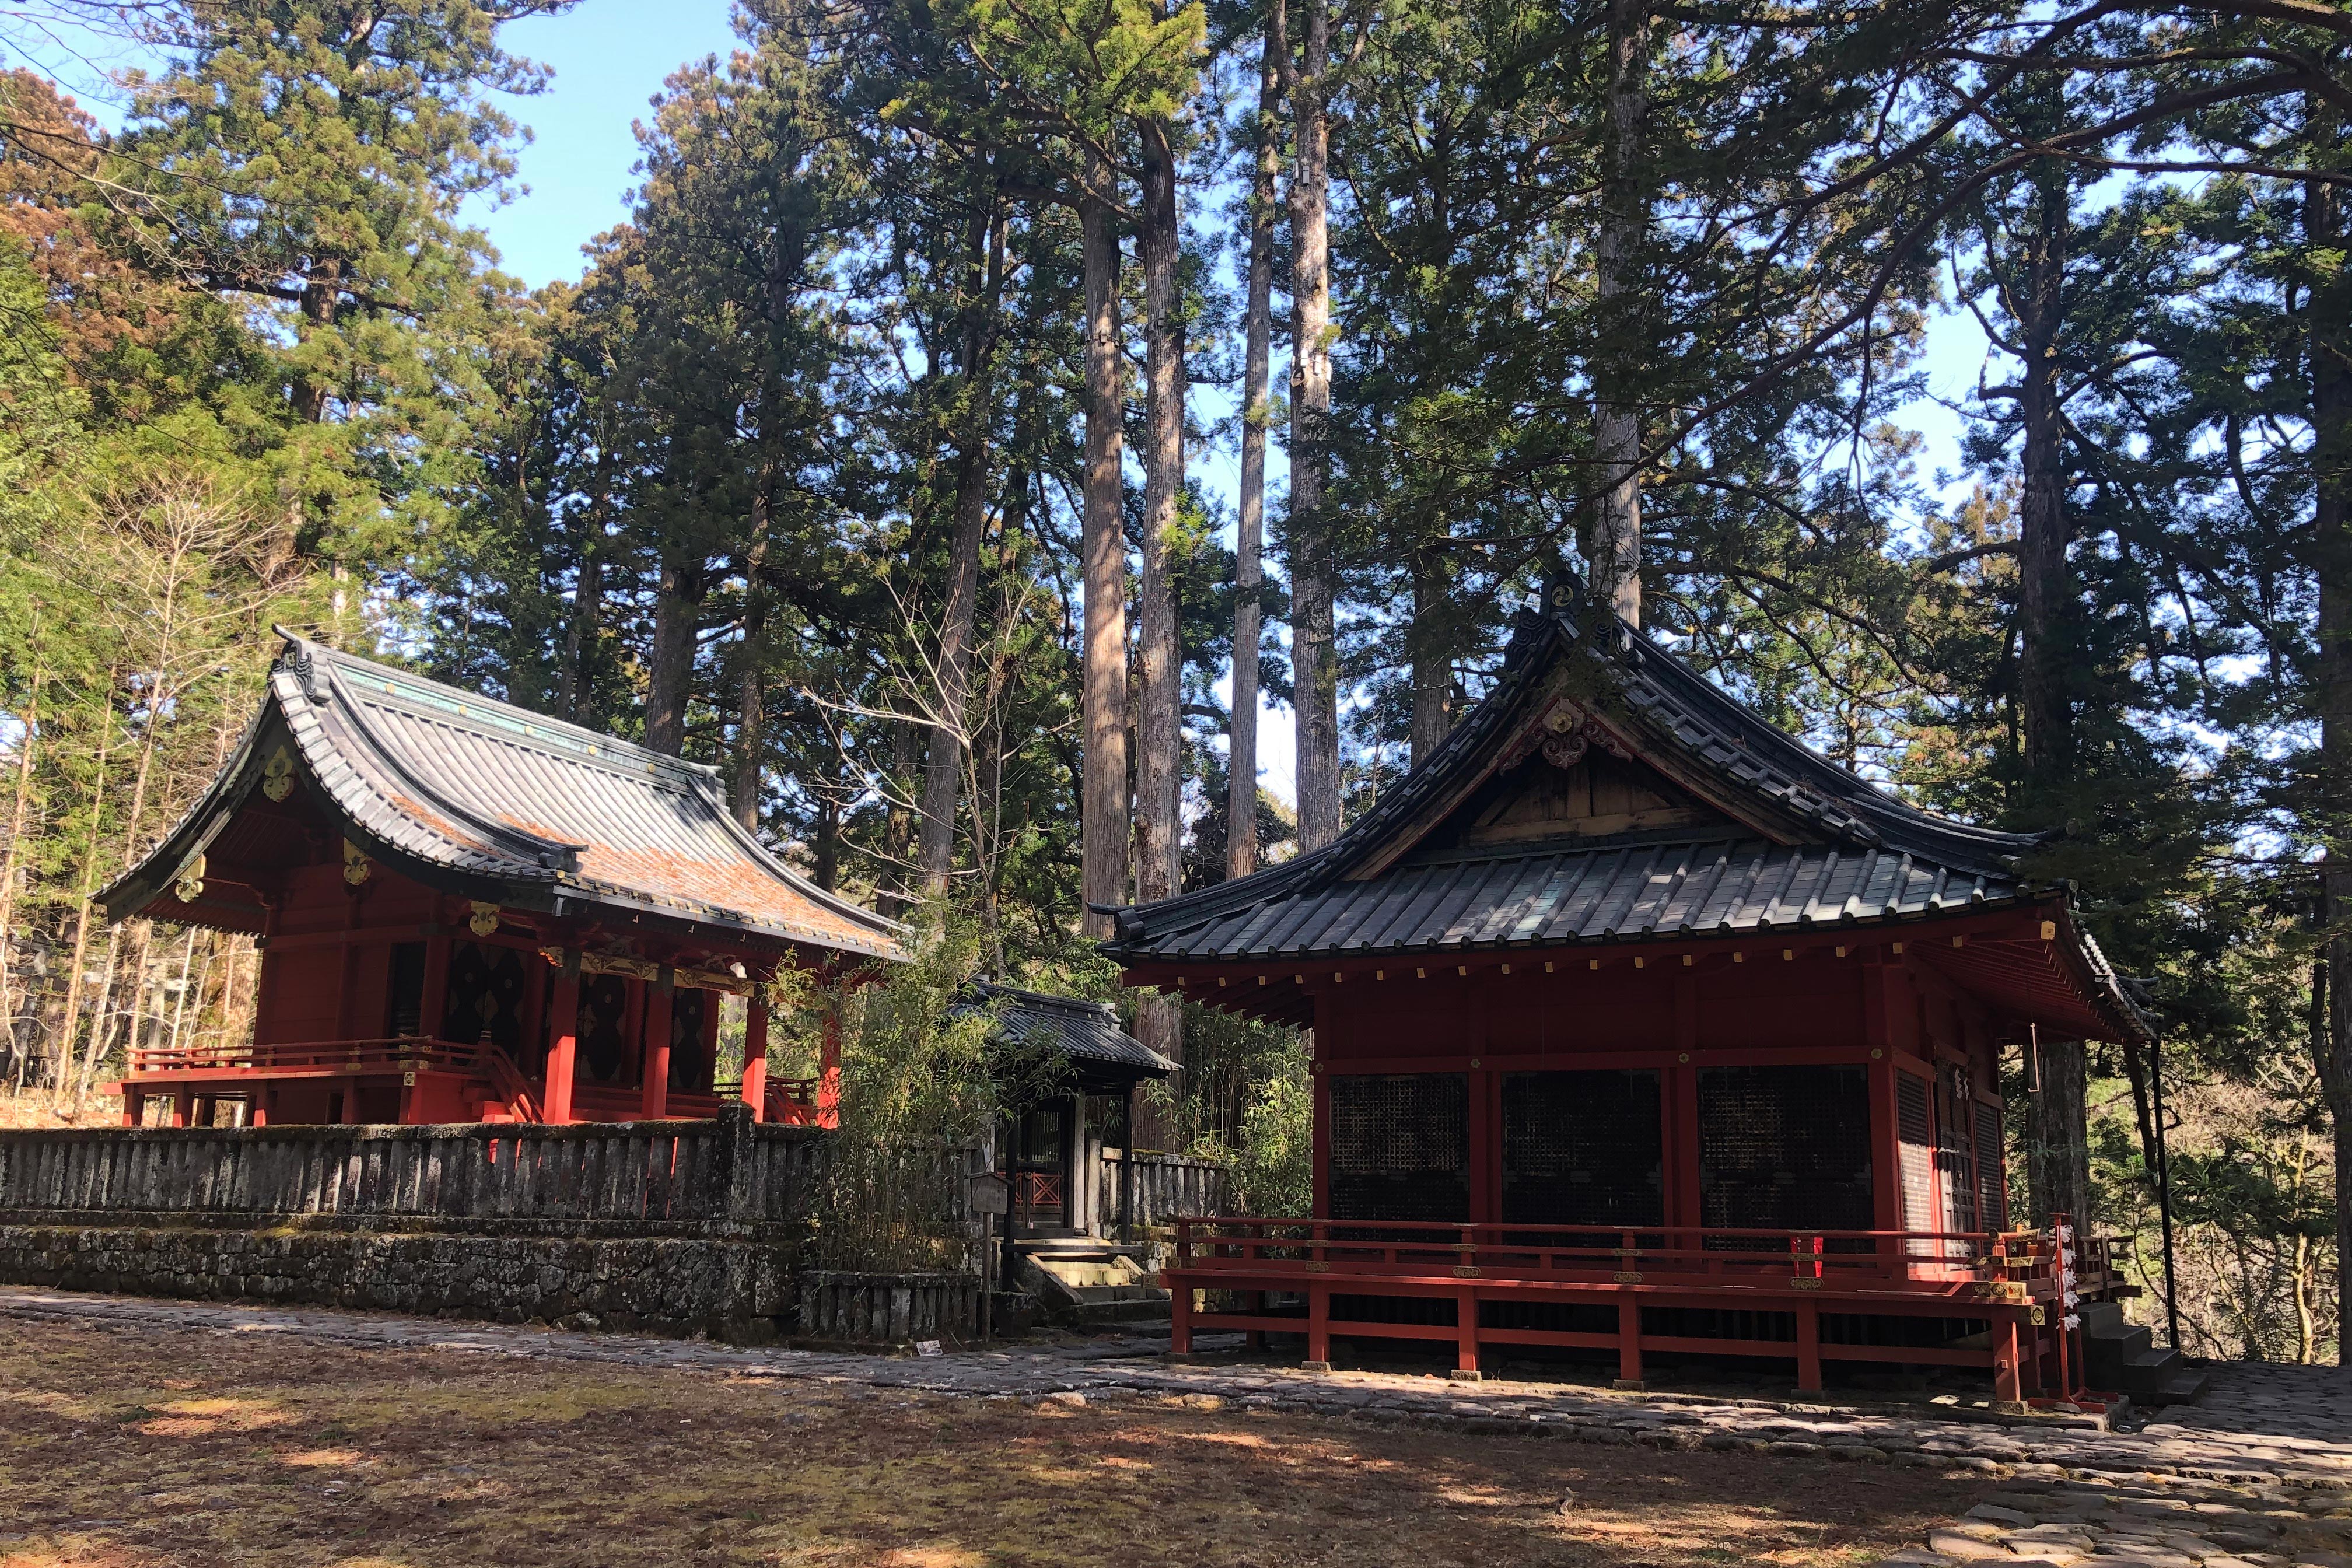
(1084, 1031)
(500, 803)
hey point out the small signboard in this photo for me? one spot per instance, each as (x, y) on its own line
(990, 1193)
(929, 1348)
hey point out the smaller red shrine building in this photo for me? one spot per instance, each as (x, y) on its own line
(468, 912)
(1640, 1028)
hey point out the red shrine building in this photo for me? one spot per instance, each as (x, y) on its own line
(1640, 1028)
(467, 911)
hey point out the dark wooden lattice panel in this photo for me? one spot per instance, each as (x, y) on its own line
(1784, 1148)
(1992, 1188)
(1915, 1132)
(485, 994)
(1400, 1146)
(690, 1067)
(405, 992)
(603, 1019)
(1583, 1148)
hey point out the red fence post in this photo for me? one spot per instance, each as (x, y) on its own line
(1629, 1339)
(1809, 1346)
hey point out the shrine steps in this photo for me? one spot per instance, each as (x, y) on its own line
(1082, 1280)
(2120, 1356)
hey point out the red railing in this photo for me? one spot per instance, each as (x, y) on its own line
(401, 1055)
(2015, 1266)
(1033, 1190)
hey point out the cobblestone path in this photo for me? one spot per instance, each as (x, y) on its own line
(2258, 1472)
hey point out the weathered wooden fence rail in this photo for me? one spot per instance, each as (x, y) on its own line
(728, 1171)
(1167, 1187)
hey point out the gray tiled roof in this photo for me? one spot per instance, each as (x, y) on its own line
(1557, 895)
(496, 800)
(1084, 1031)
(1837, 850)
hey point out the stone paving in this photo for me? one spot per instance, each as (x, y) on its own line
(2257, 1473)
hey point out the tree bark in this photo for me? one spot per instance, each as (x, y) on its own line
(751, 674)
(1433, 660)
(1314, 568)
(582, 632)
(1258, 334)
(1159, 734)
(2058, 1173)
(677, 605)
(951, 734)
(28, 740)
(1614, 551)
(1103, 811)
(2046, 587)
(2329, 355)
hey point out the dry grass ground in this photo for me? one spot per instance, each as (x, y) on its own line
(33, 1108)
(147, 1448)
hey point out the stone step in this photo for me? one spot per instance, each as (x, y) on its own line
(2101, 1317)
(2185, 1386)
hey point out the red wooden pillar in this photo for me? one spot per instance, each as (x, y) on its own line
(1809, 1347)
(828, 1072)
(135, 1108)
(258, 1109)
(1179, 1321)
(1319, 1328)
(1629, 1339)
(755, 1053)
(563, 1040)
(350, 1114)
(653, 1101)
(184, 1105)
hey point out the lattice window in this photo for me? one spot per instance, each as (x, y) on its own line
(1993, 1187)
(1785, 1148)
(603, 1019)
(1915, 1132)
(1583, 1148)
(404, 991)
(690, 1067)
(1956, 1160)
(1400, 1147)
(486, 992)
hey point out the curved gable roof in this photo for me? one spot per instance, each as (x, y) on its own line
(498, 801)
(1803, 841)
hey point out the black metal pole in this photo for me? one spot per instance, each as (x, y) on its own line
(2164, 1192)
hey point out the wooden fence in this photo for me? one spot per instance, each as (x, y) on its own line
(728, 1171)
(1166, 1187)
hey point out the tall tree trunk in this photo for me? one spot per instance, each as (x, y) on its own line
(80, 954)
(943, 774)
(678, 614)
(317, 307)
(2046, 586)
(826, 851)
(2058, 1170)
(898, 824)
(752, 714)
(1258, 334)
(28, 736)
(1314, 567)
(1432, 660)
(1103, 814)
(943, 777)
(751, 674)
(581, 631)
(2329, 355)
(1613, 552)
(1159, 735)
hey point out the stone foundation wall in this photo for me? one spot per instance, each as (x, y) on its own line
(738, 1290)
(888, 1309)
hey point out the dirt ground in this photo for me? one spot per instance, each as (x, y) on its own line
(33, 1108)
(134, 1448)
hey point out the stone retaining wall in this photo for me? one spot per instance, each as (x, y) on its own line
(737, 1289)
(888, 1309)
